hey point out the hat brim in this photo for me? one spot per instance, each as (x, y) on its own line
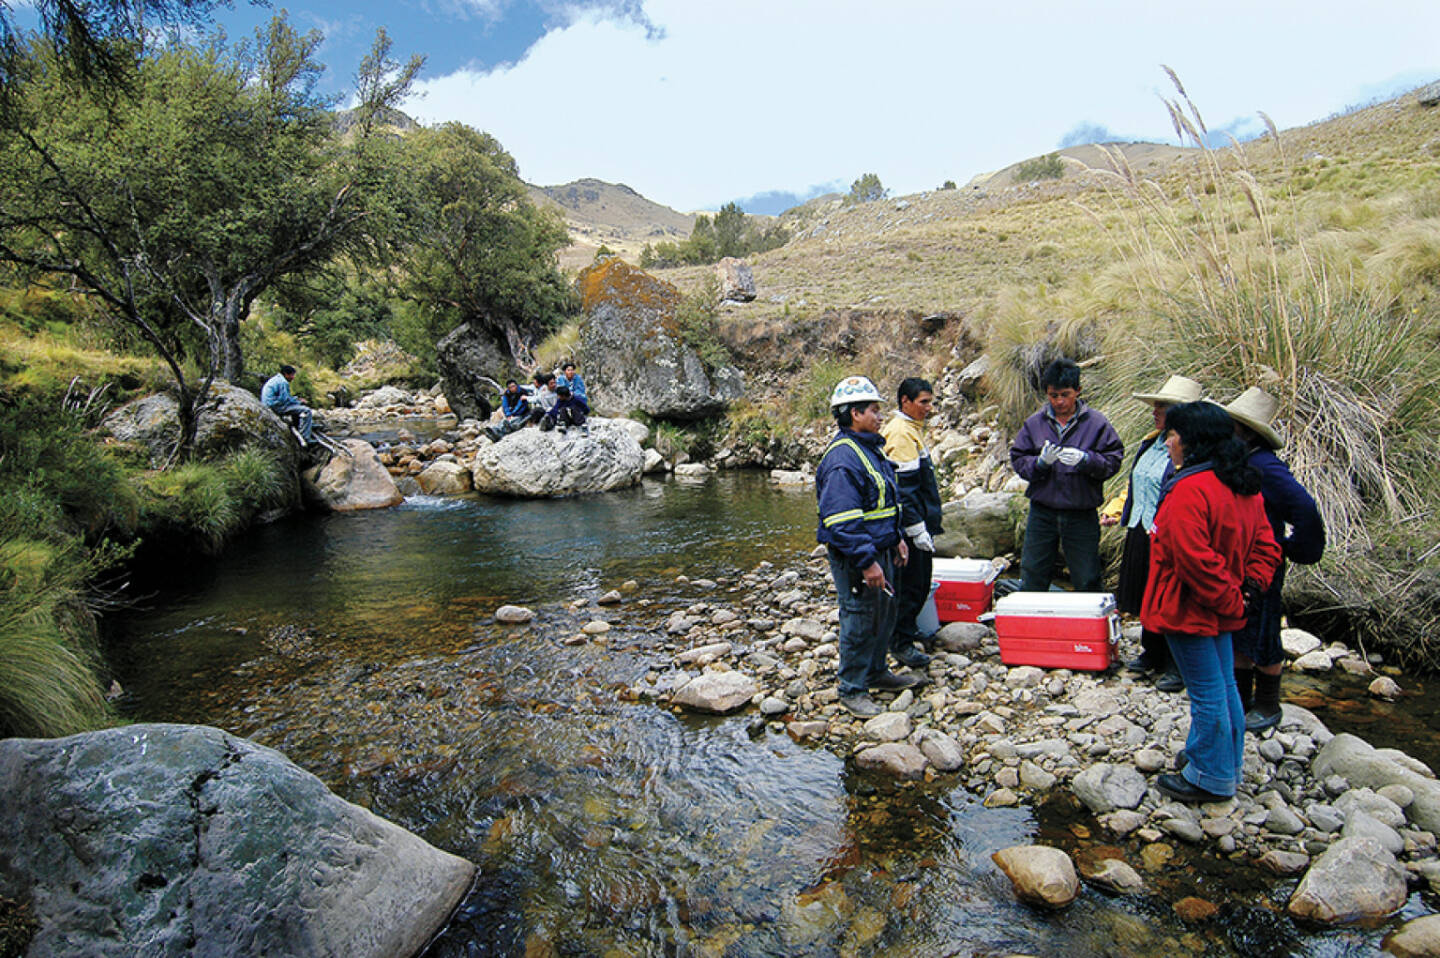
(1262, 429)
(1170, 399)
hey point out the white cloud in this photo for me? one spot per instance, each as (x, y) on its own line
(738, 98)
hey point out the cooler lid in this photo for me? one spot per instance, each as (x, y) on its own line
(963, 570)
(1057, 604)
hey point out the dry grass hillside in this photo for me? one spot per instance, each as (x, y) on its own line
(609, 214)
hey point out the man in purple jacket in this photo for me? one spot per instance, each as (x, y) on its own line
(1065, 451)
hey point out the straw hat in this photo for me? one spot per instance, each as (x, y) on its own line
(1177, 389)
(1256, 409)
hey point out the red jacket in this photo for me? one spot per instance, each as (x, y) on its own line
(1207, 541)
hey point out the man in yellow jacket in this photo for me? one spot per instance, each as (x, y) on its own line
(904, 436)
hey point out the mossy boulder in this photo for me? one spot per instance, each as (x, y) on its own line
(634, 352)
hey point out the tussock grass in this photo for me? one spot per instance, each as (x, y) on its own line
(212, 501)
(559, 347)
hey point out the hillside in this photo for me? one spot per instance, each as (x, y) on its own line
(609, 214)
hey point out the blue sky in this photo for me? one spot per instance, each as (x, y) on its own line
(694, 103)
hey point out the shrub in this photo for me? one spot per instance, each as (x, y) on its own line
(866, 189)
(1047, 167)
(697, 318)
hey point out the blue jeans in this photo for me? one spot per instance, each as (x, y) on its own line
(1216, 745)
(1047, 530)
(867, 621)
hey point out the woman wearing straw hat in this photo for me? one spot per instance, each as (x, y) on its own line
(1295, 520)
(1135, 510)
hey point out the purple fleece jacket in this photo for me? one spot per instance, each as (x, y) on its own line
(1057, 485)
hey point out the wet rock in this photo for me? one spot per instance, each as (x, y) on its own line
(654, 462)
(1284, 863)
(1360, 825)
(1317, 661)
(1183, 829)
(613, 597)
(1123, 821)
(1192, 909)
(1384, 687)
(444, 479)
(1036, 778)
(943, 751)
(771, 705)
(513, 614)
(888, 727)
(351, 482)
(716, 692)
(1040, 875)
(1156, 855)
(1104, 787)
(111, 835)
(595, 627)
(1298, 642)
(692, 470)
(805, 731)
(1002, 798)
(1114, 876)
(900, 759)
(704, 654)
(1353, 880)
(1417, 938)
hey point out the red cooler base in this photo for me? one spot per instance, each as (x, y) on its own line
(1035, 629)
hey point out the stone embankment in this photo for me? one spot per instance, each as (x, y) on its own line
(1361, 823)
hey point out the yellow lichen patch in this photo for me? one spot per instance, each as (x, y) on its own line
(618, 283)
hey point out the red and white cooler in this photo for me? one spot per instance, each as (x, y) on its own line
(964, 588)
(1057, 630)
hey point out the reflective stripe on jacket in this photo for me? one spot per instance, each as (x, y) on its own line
(859, 501)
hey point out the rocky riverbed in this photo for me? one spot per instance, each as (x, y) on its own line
(1360, 823)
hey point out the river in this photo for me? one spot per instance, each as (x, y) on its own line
(363, 646)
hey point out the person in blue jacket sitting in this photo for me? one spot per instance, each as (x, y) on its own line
(1298, 527)
(277, 397)
(571, 378)
(569, 411)
(514, 411)
(859, 524)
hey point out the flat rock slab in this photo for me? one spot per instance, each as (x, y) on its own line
(185, 840)
(717, 692)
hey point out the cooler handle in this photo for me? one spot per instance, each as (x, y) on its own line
(985, 617)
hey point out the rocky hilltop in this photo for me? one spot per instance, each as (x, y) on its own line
(609, 214)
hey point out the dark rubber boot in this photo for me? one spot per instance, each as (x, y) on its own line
(1245, 682)
(1266, 713)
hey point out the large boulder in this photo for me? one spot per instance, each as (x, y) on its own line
(737, 282)
(351, 481)
(185, 840)
(1356, 879)
(980, 526)
(634, 351)
(470, 359)
(532, 464)
(444, 478)
(1353, 759)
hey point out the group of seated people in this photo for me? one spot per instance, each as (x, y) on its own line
(554, 402)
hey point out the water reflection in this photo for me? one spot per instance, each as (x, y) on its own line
(364, 648)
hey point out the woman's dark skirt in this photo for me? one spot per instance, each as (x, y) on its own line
(1134, 570)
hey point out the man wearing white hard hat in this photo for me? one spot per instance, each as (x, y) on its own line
(859, 524)
(1295, 520)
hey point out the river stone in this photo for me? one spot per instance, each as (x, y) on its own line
(353, 482)
(444, 479)
(1024, 677)
(704, 654)
(513, 614)
(185, 840)
(637, 430)
(1041, 875)
(1325, 818)
(962, 636)
(807, 629)
(1284, 863)
(1103, 787)
(1282, 821)
(654, 462)
(531, 464)
(1397, 793)
(1355, 879)
(943, 751)
(981, 525)
(1316, 661)
(1352, 758)
(595, 627)
(1384, 687)
(1035, 778)
(773, 705)
(1298, 642)
(804, 731)
(634, 357)
(888, 727)
(900, 759)
(1360, 825)
(1417, 938)
(1374, 804)
(1116, 877)
(717, 692)
(1192, 909)
(692, 470)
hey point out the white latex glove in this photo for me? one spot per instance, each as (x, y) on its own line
(1049, 452)
(920, 538)
(1071, 456)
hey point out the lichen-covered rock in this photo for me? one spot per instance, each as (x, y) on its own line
(185, 840)
(1354, 879)
(350, 483)
(1041, 875)
(534, 464)
(717, 692)
(737, 280)
(469, 359)
(635, 354)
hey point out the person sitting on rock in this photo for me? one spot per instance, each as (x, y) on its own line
(514, 410)
(542, 396)
(568, 411)
(570, 377)
(277, 397)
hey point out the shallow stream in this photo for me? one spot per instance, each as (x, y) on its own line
(363, 647)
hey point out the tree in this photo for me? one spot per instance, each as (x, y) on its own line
(481, 253)
(182, 200)
(730, 225)
(867, 189)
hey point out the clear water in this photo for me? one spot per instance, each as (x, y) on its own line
(364, 647)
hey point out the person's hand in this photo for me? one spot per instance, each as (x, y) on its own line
(1049, 452)
(1251, 592)
(1071, 456)
(919, 537)
(1109, 520)
(874, 576)
(902, 552)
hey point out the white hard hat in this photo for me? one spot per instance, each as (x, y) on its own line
(854, 389)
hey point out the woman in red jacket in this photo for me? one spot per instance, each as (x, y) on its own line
(1212, 552)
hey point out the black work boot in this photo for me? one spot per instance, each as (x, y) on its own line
(1245, 682)
(1266, 713)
